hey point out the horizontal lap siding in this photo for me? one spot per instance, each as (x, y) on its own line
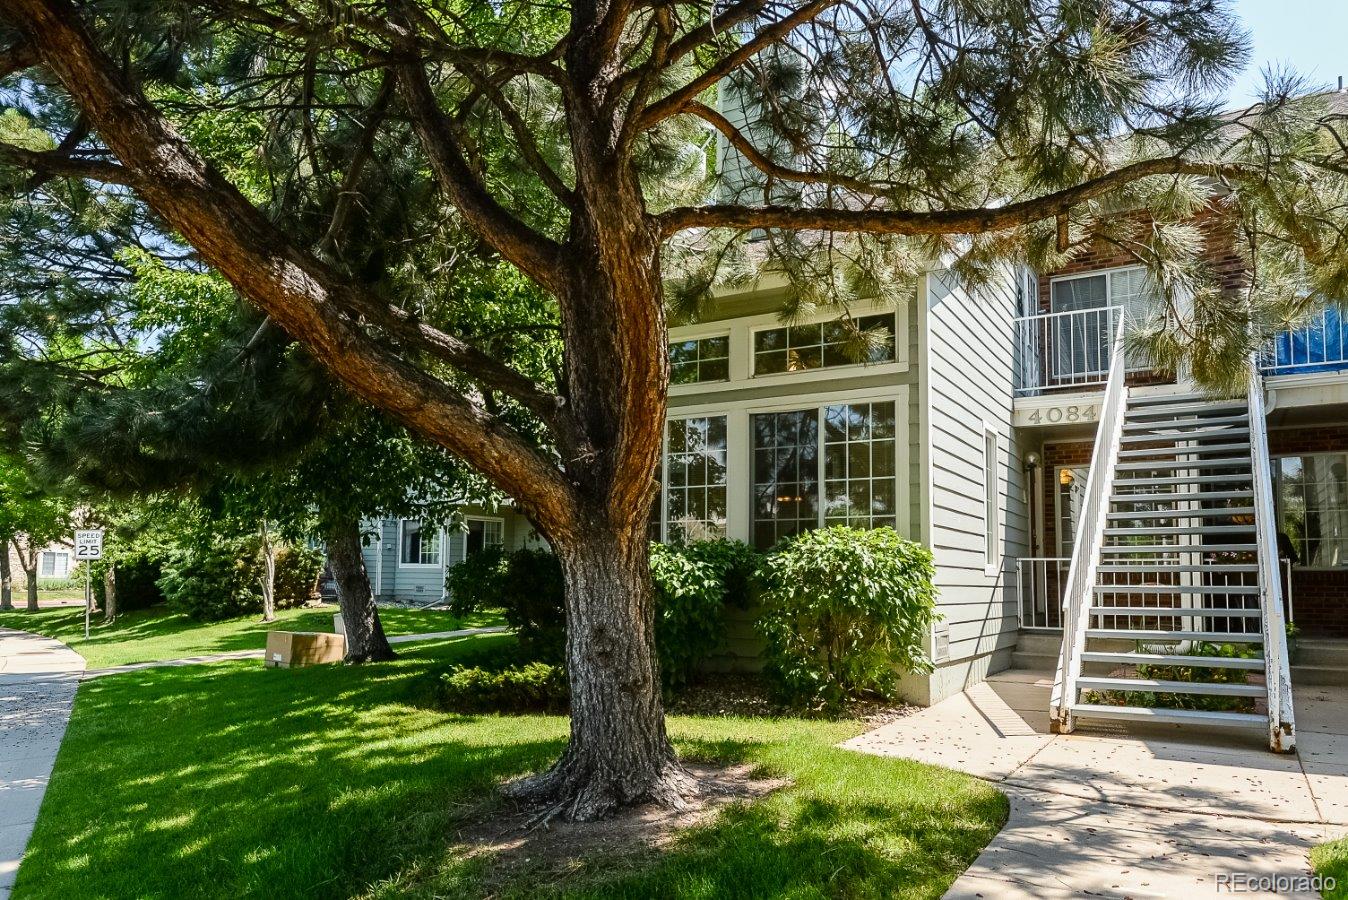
(970, 362)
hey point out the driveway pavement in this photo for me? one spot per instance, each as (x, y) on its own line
(38, 679)
(1132, 811)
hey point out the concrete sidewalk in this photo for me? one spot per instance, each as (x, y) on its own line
(1131, 811)
(38, 680)
(257, 654)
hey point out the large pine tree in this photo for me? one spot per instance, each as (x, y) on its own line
(868, 138)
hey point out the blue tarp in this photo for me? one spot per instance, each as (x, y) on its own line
(1317, 347)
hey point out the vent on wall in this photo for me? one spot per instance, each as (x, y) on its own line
(940, 643)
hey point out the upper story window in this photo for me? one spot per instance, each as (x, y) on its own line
(1130, 289)
(701, 359)
(796, 348)
(420, 544)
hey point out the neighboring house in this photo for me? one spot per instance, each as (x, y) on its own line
(53, 561)
(407, 560)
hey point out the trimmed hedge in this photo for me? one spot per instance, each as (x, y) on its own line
(531, 687)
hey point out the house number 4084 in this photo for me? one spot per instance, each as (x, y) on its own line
(1052, 415)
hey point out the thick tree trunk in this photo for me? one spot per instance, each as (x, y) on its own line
(619, 753)
(109, 593)
(6, 578)
(365, 640)
(268, 576)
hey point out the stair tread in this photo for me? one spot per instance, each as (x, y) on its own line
(1239, 589)
(1168, 568)
(1195, 423)
(1176, 480)
(1217, 463)
(1168, 659)
(1204, 512)
(1173, 612)
(1195, 716)
(1177, 497)
(1185, 451)
(1178, 548)
(1164, 686)
(1146, 530)
(1161, 636)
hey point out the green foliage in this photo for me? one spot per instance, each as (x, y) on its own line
(220, 577)
(531, 687)
(845, 609)
(1216, 675)
(137, 571)
(527, 585)
(693, 584)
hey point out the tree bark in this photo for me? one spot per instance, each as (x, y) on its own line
(268, 577)
(31, 578)
(619, 753)
(6, 578)
(365, 640)
(109, 593)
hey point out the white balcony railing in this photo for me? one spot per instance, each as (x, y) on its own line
(1065, 349)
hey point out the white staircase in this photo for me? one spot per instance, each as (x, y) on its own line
(1176, 553)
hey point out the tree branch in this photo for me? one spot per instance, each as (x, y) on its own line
(17, 58)
(951, 221)
(676, 102)
(52, 163)
(302, 295)
(537, 256)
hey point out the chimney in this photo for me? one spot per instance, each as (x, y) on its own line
(1340, 84)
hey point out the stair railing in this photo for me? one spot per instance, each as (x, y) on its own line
(1277, 671)
(1089, 537)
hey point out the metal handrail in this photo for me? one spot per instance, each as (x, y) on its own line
(1277, 670)
(1090, 536)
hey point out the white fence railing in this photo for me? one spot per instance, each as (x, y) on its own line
(1065, 349)
(1040, 582)
(1089, 537)
(1277, 672)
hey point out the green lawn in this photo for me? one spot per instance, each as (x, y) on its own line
(1331, 860)
(155, 634)
(231, 780)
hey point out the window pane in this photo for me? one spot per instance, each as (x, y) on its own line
(714, 370)
(770, 363)
(1312, 501)
(786, 460)
(702, 359)
(861, 486)
(696, 466)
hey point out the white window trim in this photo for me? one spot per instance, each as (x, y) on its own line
(701, 335)
(1277, 503)
(475, 518)
(1094, 273)
(408, 565)
(55, 555)
(755, 330)
(992, 512)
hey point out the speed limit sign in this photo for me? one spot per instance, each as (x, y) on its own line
(89, 544)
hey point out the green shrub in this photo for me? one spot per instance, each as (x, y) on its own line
(527, 585)
(532, 687)
(71, 583)
(845, 609)
(476, 582)
(222, 578)
(693, 583)
(138, 570)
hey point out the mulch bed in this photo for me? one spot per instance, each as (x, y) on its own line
(748, 696)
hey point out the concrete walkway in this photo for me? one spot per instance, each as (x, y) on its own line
(38, 679)
(1137, 811)
(258, 654)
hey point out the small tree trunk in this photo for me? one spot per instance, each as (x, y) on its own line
(31, 577)
(268, 574)
(6, 578)
(619, 753)
(365, 640)
(109, 593)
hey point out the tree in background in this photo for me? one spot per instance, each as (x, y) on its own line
(862, 140)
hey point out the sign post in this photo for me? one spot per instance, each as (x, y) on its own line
(88, 547)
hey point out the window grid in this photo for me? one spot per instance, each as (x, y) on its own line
(695, 466)
(785, 474)
(420, 545)
(822, 345)
(859, 452)
(699, 360)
